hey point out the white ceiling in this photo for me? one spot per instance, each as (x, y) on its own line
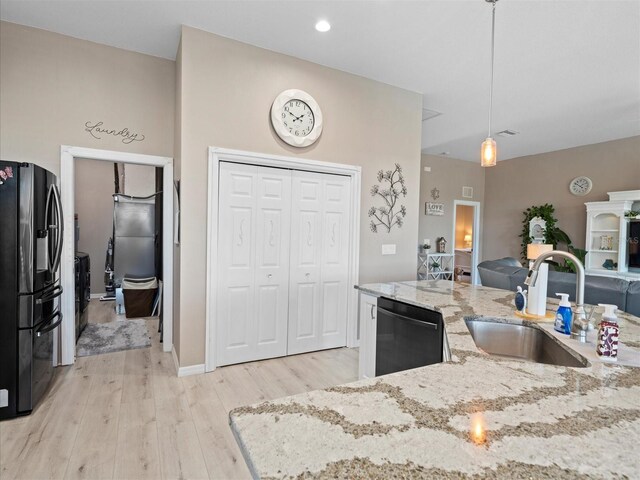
(567, 73)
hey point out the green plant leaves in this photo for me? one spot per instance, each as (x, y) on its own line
(552, 236)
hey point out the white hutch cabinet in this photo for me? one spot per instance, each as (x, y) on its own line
(607, 235)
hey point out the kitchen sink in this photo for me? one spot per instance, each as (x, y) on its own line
(522, 342)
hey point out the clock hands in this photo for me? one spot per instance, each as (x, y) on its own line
(294, 117)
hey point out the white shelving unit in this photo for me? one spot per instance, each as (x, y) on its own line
(606, 219)
(444, 271)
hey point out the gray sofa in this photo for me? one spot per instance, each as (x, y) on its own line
(508, 274)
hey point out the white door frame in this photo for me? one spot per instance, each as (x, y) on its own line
(217, 155)
(475, 245)
(68, 155)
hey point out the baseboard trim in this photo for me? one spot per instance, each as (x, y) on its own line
(186, 371)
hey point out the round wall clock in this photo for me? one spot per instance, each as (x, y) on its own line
(296, 118)
(580, 186)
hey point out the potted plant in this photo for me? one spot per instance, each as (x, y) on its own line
(435, 266)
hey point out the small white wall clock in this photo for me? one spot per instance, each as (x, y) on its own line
(296, 118)
(580, 186)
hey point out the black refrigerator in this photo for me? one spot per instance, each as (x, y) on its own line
(30, 251)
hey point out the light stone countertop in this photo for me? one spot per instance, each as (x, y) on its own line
(478, 416)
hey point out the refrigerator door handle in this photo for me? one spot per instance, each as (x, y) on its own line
(59, 227)
(42, 330)
(54, 293)
(47, 211)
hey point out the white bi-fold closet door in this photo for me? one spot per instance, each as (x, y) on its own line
(253, 259)
(319, 258)
(282, 262)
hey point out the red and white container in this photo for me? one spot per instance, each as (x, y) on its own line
(608, 333)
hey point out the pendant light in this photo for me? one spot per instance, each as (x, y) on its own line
(488, 152)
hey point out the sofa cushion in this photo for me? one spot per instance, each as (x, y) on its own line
(633, 298)
(494, 273)
(517, 279)
(616, 291)
(508, 262)
(563, 282)
(606, 290)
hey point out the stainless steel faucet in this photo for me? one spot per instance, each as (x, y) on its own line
(580, 325)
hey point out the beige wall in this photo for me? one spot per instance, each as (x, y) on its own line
(139, 180)
(448, 175)
(94, 206)
(226, 92)
(516, 184)
(51, 84)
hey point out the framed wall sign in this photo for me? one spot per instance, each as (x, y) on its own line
(431, 208)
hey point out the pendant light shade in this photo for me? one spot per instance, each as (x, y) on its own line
(488, 151)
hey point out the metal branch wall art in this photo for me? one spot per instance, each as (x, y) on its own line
(390, 188)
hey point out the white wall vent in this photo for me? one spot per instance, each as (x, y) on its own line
(467, 192)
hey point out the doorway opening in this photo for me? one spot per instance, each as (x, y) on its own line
(466, 240)
(118, 234)
(163, 240)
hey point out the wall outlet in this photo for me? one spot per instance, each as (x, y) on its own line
(389, 249)
(427, 169)
(4, 398)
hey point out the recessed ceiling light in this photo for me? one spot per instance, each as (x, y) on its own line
(323, 26)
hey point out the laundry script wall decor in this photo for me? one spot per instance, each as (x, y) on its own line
(98, 130)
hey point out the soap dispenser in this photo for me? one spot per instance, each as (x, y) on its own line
(608, 333)
(564, 315)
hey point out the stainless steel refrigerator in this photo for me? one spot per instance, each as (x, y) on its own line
(30, 250)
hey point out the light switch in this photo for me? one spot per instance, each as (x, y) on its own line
(389, 249)
(4, 398)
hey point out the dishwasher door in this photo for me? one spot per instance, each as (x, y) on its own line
(407, 337)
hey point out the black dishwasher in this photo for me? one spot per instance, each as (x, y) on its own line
(407, 337)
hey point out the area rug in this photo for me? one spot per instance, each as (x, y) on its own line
(98, 338)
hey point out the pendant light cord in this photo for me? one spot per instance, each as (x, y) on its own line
(493, 34)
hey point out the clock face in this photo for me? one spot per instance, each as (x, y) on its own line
(296, 118)
(580, 186)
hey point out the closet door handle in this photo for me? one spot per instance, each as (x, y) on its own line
(372, 316)
(241, 234)
(271, 236)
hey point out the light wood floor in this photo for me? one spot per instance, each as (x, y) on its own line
(126, 415)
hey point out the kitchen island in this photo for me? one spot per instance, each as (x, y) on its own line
(476, 416)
